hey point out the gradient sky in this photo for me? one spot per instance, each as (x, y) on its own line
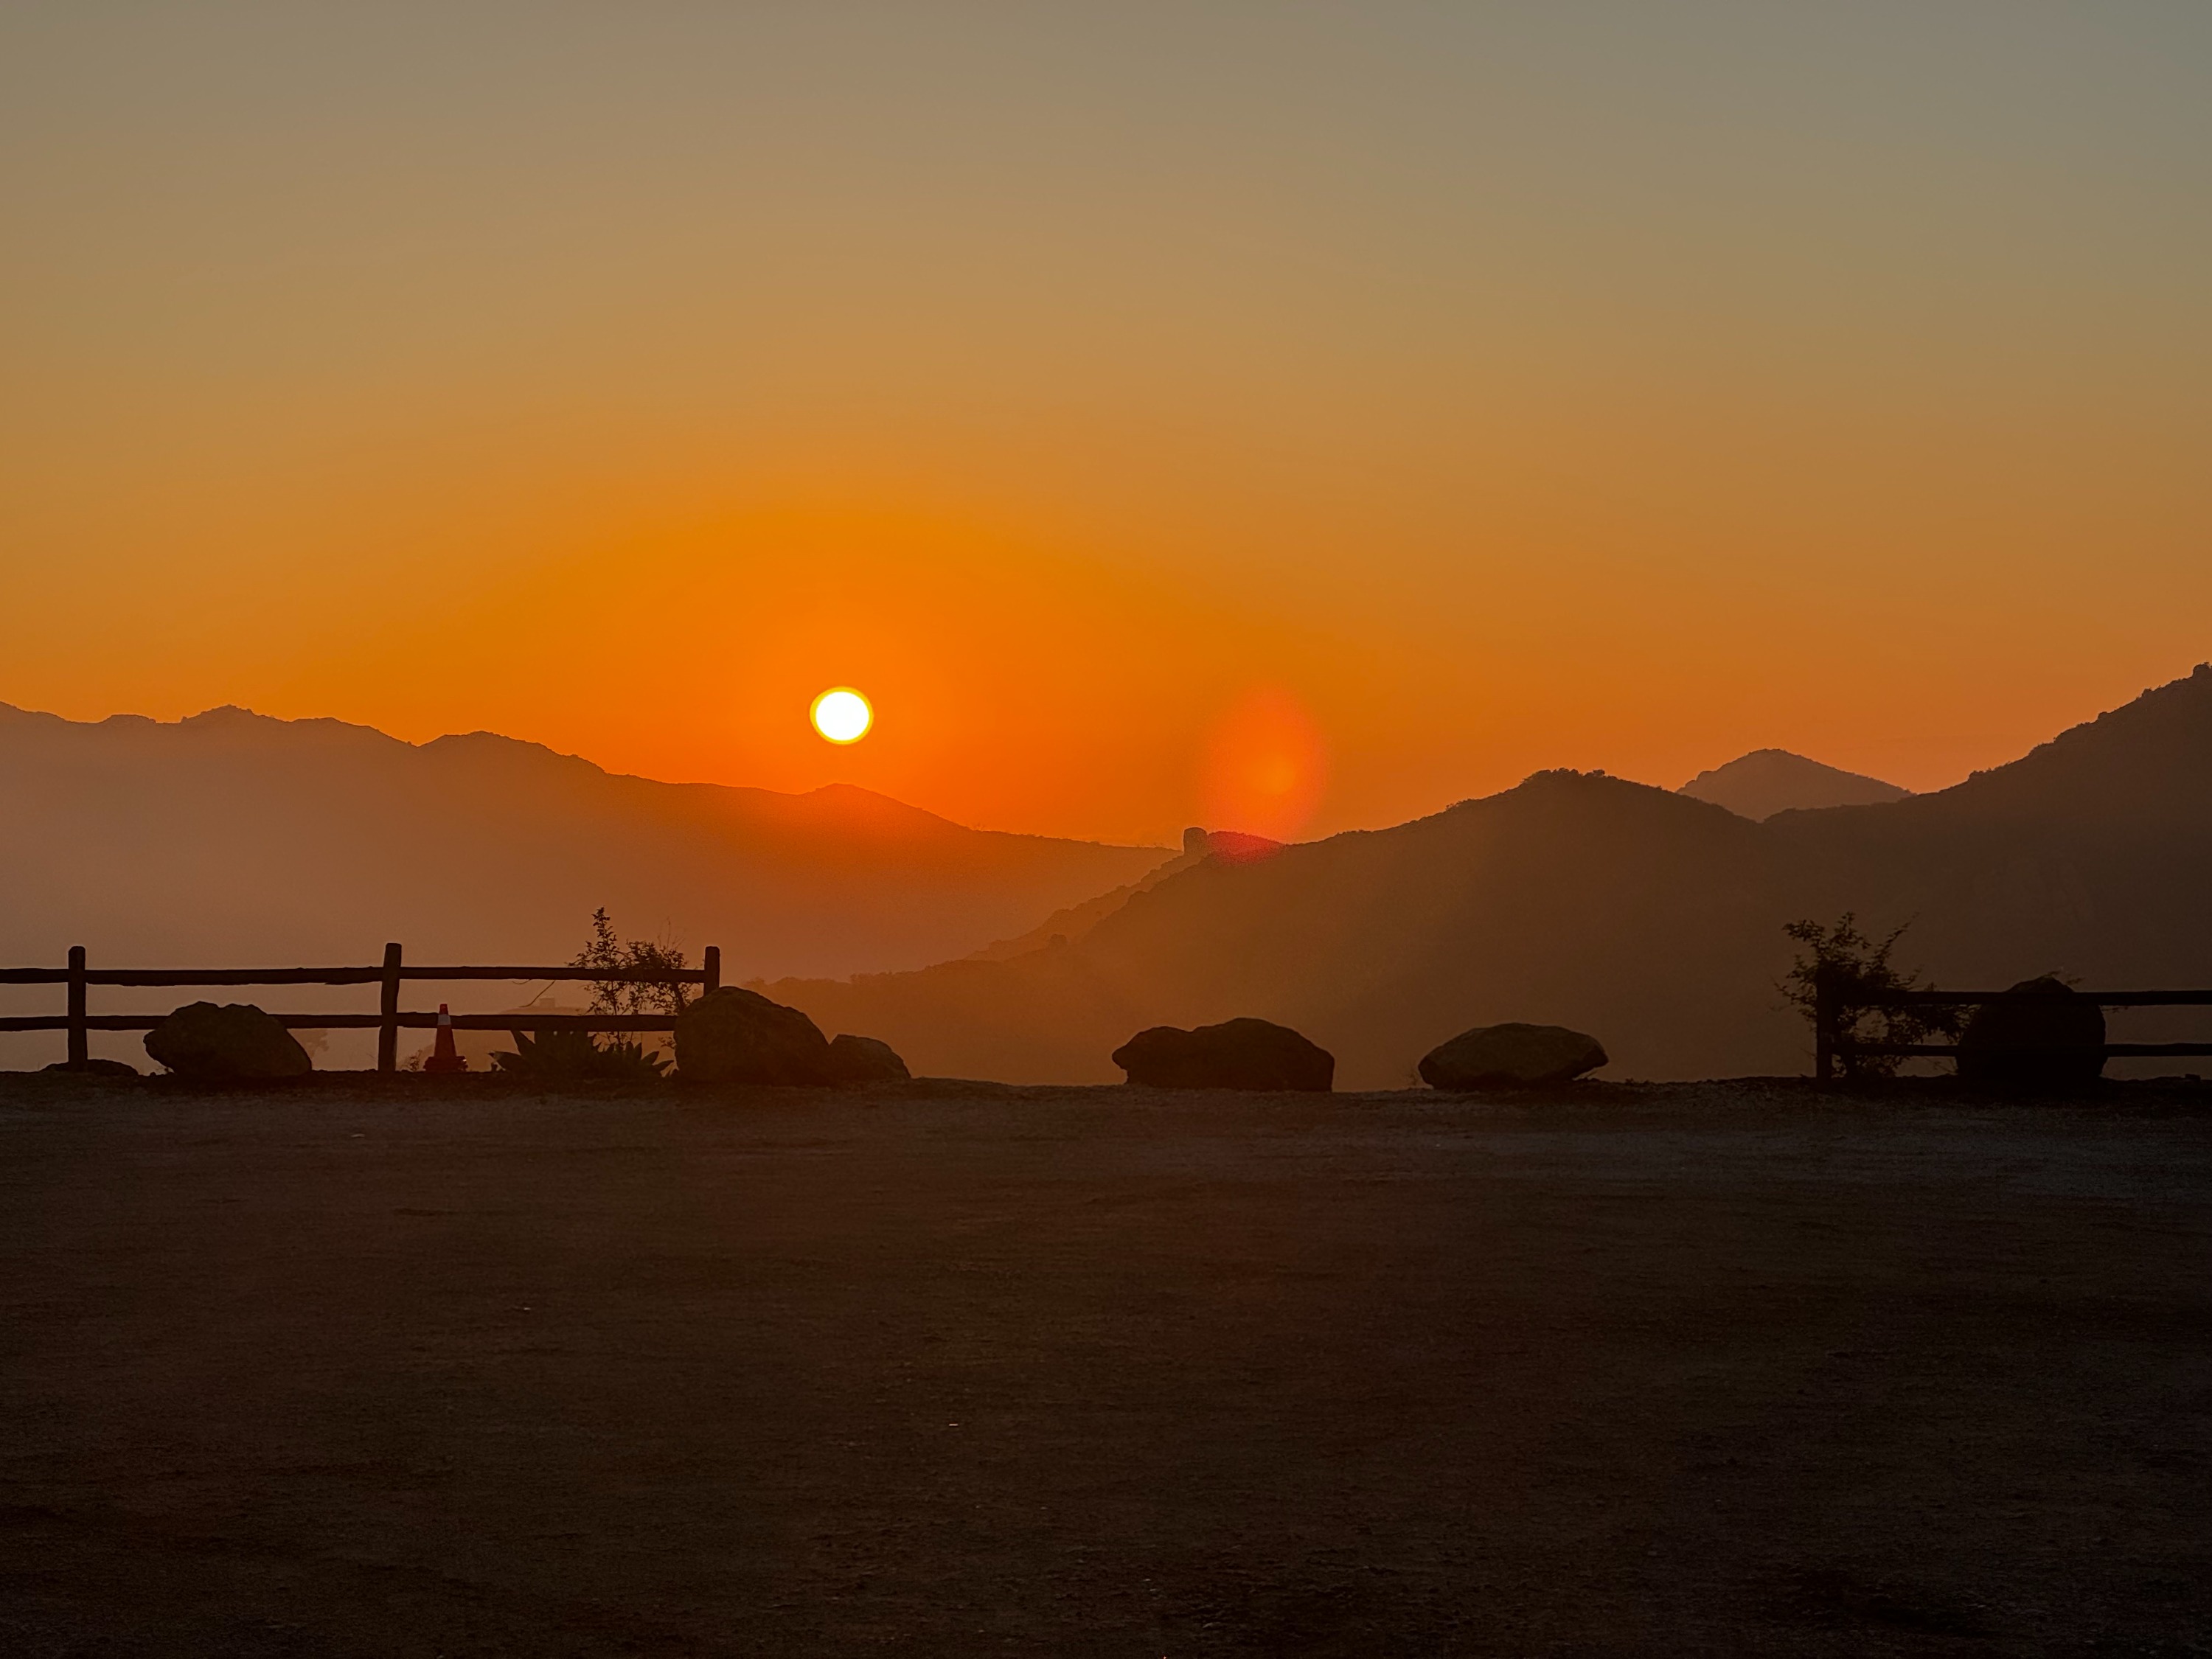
(1150, 407)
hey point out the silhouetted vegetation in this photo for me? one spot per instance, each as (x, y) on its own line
(609, 951)
(1857, 971)
(570, 1056)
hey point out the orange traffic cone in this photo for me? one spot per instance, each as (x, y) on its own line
(443, 1057)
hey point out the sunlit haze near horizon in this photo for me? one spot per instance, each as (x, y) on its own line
(1287, 418)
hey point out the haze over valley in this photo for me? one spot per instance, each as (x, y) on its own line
(1611, 907)
(1650, 916)
(233, 839)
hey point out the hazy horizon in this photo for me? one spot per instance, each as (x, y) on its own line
(1652, 916)
(1164, 838)
(1166, 414)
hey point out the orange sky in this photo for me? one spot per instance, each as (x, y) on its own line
(1385, 402)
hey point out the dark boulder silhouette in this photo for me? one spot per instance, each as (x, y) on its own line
(236, 1042)
(736, 1035)
(1237, 1054)
(2041, 1033)
(1511, 1055)
(95, 1067)
(856, 1062)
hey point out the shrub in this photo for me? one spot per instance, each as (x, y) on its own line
(570, 1056)
(609, 951)
(1858, 973)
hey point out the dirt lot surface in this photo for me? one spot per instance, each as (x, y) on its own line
(1681, 1369)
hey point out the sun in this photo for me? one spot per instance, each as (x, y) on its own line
(843, 715)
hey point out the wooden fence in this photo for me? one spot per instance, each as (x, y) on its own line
(1833, 1015)
(385, 1022)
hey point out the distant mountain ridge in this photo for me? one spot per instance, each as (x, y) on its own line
(231, 837)
(1233, 847)
(1645, 916)
(1769, 781)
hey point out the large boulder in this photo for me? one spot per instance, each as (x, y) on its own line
(235, 1042)
(1237, 1054)
(857, 1062)
(2041, 1033)
(1511, 1055)
(736, 1035)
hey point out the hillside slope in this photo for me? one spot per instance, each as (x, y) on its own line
(1647, 917)
(230, 837)
(2091, 855)
(1585, 900)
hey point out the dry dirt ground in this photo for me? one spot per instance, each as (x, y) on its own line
(1678, 1369)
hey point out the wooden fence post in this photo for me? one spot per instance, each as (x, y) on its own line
(79, 1045)
(1827, 1012)
(387, 1033)
(712, 964)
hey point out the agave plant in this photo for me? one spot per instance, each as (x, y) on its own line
(569, 1055)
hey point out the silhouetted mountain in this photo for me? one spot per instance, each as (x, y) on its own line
(1065, 926)
(1583, 901)
(230, 837)
(2092, 854)
(1770, 781)
(1642, 915)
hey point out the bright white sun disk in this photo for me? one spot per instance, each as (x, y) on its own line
(843, 715)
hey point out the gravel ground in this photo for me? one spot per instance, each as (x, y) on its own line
(447, 1367)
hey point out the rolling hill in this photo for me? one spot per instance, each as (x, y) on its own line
(1644, 916)
(233, 838)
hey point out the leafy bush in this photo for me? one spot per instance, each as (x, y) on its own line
(609, 952)
(571, 1056)
(1857, 971)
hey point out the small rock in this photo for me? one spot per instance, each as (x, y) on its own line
(236, 1042)
(856, 1062)
(1237, 1054)
(736, 1035)
(96, 1068)
(2041, 1033)
(1511, 1055)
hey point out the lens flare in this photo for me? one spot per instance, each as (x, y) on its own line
(843, 715)
(1266, 766)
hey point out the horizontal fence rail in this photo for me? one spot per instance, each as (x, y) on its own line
(407, 1018)
(388, 1022)
(339, 975)
(1834, 1013)
(2102, 999)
